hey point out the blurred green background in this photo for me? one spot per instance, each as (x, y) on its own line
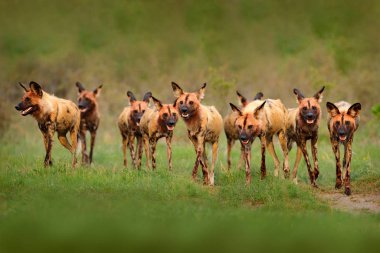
(269, 46)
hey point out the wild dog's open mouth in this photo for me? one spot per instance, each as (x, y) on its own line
(83, 109)
(342, 137)
(170, 128)
(137, 123)
(244, 142)
(26, 111)
(185, 115)
(309, 121)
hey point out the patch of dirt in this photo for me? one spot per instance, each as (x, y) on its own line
(354, 203)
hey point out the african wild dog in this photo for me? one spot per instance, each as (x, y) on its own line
(232, 133)
(53, 115)
(129, 125)
(263, 120)
(155, 124)
(89, 118)
(302, 125)
(342, 123)
(204, 124)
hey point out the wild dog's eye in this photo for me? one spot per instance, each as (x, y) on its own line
(174, 114)
(347, 123)
(239, 127)
(143, 111)
(314, 108)
(191, 102)
(165, 115)
(135, 111)
(181, 102)
(304, 108)
(27, 99)
(250, 126)
(337, 123)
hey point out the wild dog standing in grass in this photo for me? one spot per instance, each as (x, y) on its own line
(303, 124)
(129, 125)
(263, 120)
(342, 123)
(53, 115)
(232, 133)
(204, 124)
(89, 118)
(155, 124)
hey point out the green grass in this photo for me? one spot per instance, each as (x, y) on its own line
(107, 206)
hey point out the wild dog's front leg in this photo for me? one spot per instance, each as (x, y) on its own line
(93, 136)
(153, 143)
(125, 143)
(307, 160)
(335, 148)
(284, 147)
(242, 157)
(84, 147)
(169, 151)
(263, 166)
(74, 144)
(347, 166)
(139, 151)
(314, 151)
(48, 133)
(272, 152)
(296, 163)
(131, 144)
(247, 158)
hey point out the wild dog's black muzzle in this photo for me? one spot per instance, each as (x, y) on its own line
(243, 137)
(18, 107)
(171, 122)
(184, 109)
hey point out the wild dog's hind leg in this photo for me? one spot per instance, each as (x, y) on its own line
(125, 143)
(230, 143)
(335, 148)
(214, 156)
(139, 151)
(147, 150)
(284, 147)
(153, 143)
(74, 144)
(131, 144)
(263, 167)
(272, 152)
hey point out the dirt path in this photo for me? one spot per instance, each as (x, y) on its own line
(354, 203)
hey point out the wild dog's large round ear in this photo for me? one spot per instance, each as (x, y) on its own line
(236, 109)
(259, 110)
(35, 88)
(157, 103)
(299, 95)
(242, 100)
(318, 96)
(80, 87)
(332, 109)
(131, 97)
(201, 92)
(147, 97)
(354, 110)
(177, 91)
(23, 86)
(97, 90)
(258, 96)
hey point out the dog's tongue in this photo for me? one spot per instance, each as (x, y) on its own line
(24, 112)
(310, 121)
(342, 138)
(170, 128)
(245, 142)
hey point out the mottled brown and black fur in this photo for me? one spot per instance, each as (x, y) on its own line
(89, 118)
(303, 123)
(342, 122)
(53, 115)
(262, 119)
(204, 124)
(232, 133)
(129, 126)
(155, 124)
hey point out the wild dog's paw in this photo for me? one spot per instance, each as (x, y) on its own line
(295, 181)
(316, 174)
(347, 191)
(338, 185)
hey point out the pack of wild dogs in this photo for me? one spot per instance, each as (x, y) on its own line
(144, 125)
